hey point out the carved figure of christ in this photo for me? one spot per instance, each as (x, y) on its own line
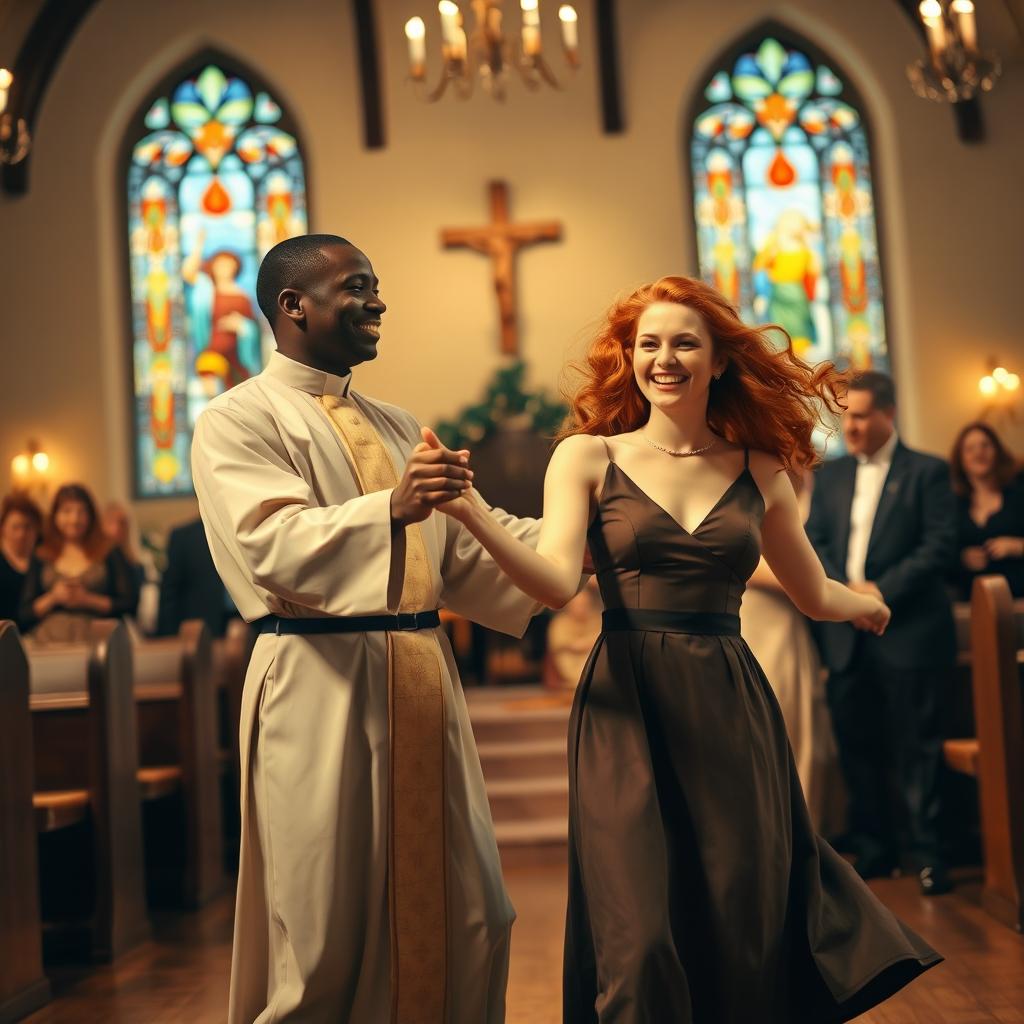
(501, 241)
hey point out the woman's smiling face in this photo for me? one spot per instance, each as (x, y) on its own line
(674, 356)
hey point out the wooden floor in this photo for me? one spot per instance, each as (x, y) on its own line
(181, 976)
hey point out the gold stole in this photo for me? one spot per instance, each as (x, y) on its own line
(416, 726)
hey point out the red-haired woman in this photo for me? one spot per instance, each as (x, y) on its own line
(698, 888)
(990, 524)
(78, 576)
(20, 524)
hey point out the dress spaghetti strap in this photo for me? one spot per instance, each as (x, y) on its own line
(746, 458)
(607, 449)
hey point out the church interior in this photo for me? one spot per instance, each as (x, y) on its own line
(849, 171)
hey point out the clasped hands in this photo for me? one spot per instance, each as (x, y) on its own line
(877, 621)
(434, 477)
(71, 593)
(995, 549)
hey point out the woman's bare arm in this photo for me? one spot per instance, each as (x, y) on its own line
(791, 558)
(551, 574)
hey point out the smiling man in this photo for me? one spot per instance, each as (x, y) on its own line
(369, 885)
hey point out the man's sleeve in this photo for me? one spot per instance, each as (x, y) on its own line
(336, 560)
(927, 564)
(473, 585)
(821, 529)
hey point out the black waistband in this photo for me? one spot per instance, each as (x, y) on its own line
(402, 622)
(656, 620)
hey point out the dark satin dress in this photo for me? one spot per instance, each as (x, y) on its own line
(698, 891)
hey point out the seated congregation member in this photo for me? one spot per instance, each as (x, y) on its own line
(78, 576)
(990, 509)
(883, 522)
(117, 526)
(190, 587)
(20, 525)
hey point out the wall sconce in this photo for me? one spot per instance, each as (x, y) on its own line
(30, 470)
(1000, 389)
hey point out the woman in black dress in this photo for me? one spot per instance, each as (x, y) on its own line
(78, 576)
(990, 515)
(698, 891)
(20, 525)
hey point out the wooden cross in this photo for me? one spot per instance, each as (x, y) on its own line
(501, 240)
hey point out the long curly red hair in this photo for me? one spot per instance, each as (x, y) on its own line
(767, 398)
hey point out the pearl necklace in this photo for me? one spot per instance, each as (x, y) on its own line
(677, 454)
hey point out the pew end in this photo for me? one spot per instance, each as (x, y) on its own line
(83, 724)
(23, 987)
(996, 644)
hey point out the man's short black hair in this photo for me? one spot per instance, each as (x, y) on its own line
(883, 394)
(291, 264)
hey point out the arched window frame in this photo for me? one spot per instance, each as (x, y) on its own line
(749, 42)
(136, 131)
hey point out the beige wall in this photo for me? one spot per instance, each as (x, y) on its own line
(951, 219)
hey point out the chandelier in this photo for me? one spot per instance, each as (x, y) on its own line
(956, 69)
(486, 53)
(15, 140)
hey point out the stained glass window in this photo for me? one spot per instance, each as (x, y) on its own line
(784, 206)
(215, 180)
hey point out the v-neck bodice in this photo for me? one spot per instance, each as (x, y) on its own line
(645, 559)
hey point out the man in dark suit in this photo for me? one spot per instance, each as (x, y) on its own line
(190, 587)
(883, 521)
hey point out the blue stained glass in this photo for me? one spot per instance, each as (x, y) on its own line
(783, 204)
(207, 197)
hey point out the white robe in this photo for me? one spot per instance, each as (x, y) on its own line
(291, 535)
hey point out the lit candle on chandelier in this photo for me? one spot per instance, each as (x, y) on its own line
(531, 27)
(570, 29)
(6, 78)
(449, 21)
(935, 27)
(416, 33)
(963, 10)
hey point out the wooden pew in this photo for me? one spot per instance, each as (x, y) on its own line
(995, 755)
(23, 987)
(176, 698)
(85, 741)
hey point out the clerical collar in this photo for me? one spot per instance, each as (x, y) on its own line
(883, 457)
(307, 378)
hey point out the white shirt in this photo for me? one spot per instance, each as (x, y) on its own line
(867, 490)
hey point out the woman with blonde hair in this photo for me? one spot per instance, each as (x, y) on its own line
(699, 891)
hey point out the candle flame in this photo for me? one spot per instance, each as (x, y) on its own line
(528, 5)
(415, 29)
(567, 13)
(962, 6)
(987, 385)
(448, 9)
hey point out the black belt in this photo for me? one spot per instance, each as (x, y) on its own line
(402, 622)
(660, 621)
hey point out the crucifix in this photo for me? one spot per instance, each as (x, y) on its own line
(501, 240)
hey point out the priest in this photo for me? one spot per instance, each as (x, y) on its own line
(369, 885)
